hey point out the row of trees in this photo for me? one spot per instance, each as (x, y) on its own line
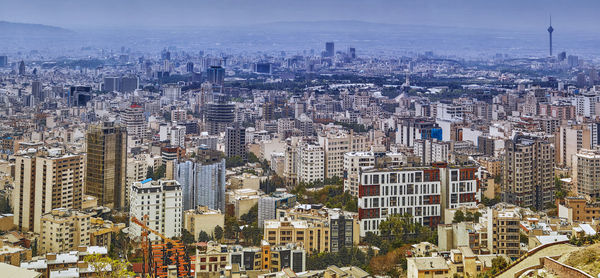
(396, 235)
(246, 228)
(332, 196)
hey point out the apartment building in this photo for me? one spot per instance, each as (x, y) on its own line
(45, 180)
(64, 229)
(268, 205)
(354, 161)
(423, 192)
(343, 225)
(310, 163)
(335, 144)
(212, 258)
(106, 164)
(528, 172)
(202, 219)
(586, 172)
(579, 209)
(430, 151)
(314, 236)
(159, 204)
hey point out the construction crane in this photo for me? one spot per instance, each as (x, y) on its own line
(169, 252)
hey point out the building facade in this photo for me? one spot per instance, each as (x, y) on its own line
(44, 181)
(106, 167)
(158, 204)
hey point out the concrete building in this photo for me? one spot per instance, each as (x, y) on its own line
(579, 209)
(314, 236)
(461, 262)
(45, 180)
(412, 129)
(134, 120)
(202, 219)
(430, 151)
(242, 200)
(496, 232)
(13, 255)
(310, 163)
(355, 161)
(344, 226)
(212, 258)
(177, 136)
(586, 172)
(569, 141)
(171, 92)
(268, 205)
(63, 230)
(235, 142)
(335, 145)
(528, 172)
(106, 167)
(202, 182)
(159, 204)
(422, 192)
(137, 170)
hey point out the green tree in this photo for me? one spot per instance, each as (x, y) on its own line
(203, 236)
(107, 267)
(476, 216)
(5, 205)
(252, 158)
(232, 227)
(218, 233)
(251, 216)
(187, 237)
(234, 161)
(459, 216)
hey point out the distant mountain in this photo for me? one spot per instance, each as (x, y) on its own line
(27, 30)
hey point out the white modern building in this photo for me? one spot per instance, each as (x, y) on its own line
(311, 165)
(159, 204)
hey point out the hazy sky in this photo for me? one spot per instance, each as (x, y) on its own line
(522, 15)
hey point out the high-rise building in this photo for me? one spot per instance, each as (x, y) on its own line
(571, 139)
(63, 230)
(158, 204)
(135, 121)
(189, 67)
(235, 142)
(172, 92)
(178, 136)
(202, 182)
(3, 61)
(44, 181)
(21, 68)
(528, 174)
(112, 84)
(335, 145)
(137, 170)
(79, 95)
(586, 173)
(430, 151)
(129, 83)
(412, 129)
(352, 53)
(267, 206)
(310, 163)
(329, 49)
(219, 115)
(216, 75)
(36, 90)
(422, 192)
(106, 169)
